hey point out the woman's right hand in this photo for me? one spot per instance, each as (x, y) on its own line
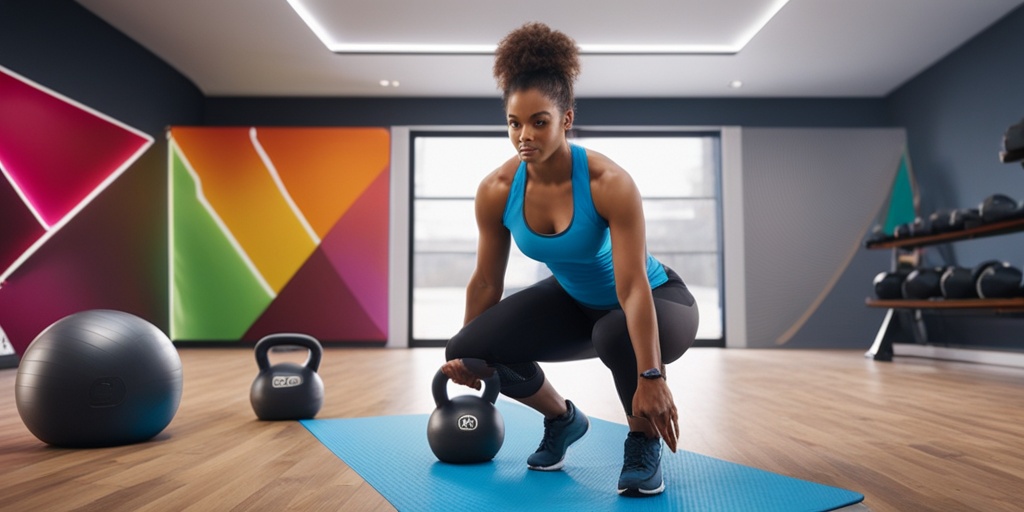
(457, 371)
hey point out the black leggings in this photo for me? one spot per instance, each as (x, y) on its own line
(543, 323)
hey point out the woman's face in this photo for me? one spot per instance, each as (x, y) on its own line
(536, 126)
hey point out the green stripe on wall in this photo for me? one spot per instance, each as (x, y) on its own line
(215, 295)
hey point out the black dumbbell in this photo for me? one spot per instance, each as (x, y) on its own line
(920, 227)
(923, 283)
(997, 207)
(904, 230)
(889, 285)
(958, 283)
(939, 221)
(964, 218)
(1013, 144)
(877, 236)
(995, 279)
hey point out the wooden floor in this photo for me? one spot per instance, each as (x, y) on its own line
(911, 435)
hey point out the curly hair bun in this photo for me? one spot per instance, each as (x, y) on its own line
(535, 49)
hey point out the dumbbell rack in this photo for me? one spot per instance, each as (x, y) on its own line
(905, 314)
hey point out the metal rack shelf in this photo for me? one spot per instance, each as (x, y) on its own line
(904, 315)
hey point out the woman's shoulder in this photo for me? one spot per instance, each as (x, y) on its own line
(503, 175)
(603, 169)
(611, 188)
(498, 182)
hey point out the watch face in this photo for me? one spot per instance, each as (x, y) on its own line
(653, 373)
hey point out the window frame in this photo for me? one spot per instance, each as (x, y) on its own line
(579, 132)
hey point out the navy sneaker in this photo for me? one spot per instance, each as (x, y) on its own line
(641, 466)
(559, 433)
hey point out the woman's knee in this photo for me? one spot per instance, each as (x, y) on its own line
(520, 380)
(677, 324)
(677, 330)
(451, 349)
(611, 339)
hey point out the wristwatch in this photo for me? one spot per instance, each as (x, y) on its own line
(652, 374)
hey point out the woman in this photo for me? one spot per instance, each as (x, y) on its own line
(581, 214)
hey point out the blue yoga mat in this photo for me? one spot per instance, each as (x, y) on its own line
(391, 453)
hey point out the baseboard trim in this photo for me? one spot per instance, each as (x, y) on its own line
(969, 355)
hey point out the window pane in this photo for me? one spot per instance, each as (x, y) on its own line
(677, 178)
(662, 166)
(444, 225)
(454, 166)
(681, 225)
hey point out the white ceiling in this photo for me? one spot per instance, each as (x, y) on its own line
(809, 48)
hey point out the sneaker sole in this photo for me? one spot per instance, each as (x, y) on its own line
(642, 493)
(558, 465)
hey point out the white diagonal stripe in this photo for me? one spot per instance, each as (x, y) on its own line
(280, 186)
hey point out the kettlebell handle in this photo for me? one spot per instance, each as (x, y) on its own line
(263, 347)
(492, 384)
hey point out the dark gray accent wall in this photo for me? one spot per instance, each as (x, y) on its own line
(955, 114)
(61, 45)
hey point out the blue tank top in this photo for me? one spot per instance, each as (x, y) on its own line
(580, 257)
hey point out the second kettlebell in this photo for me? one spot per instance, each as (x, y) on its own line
(465, 429)
(287, 391)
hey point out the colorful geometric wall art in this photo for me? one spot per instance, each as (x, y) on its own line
(111, 255)
(56, 155)
(278, 229)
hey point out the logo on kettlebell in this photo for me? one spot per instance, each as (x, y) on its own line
(285, 381)
(467, 422)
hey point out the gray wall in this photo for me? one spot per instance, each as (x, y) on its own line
(809, 198)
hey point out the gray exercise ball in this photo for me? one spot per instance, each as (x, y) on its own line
(98, 378)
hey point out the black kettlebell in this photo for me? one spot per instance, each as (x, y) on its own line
(287, 391)
(466, 429)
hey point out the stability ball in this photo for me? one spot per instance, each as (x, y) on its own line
(98, 378)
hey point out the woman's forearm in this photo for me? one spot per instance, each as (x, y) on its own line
(479, 297)
(642, 324)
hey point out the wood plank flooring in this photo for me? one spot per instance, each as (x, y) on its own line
(911, 435)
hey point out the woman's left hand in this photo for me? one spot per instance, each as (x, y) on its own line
(653, 402)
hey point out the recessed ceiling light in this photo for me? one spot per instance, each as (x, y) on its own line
(735, 84)
(337, 43)
(388, 83)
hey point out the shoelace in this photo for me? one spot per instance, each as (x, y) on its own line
(546, 441)
(636, 454)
